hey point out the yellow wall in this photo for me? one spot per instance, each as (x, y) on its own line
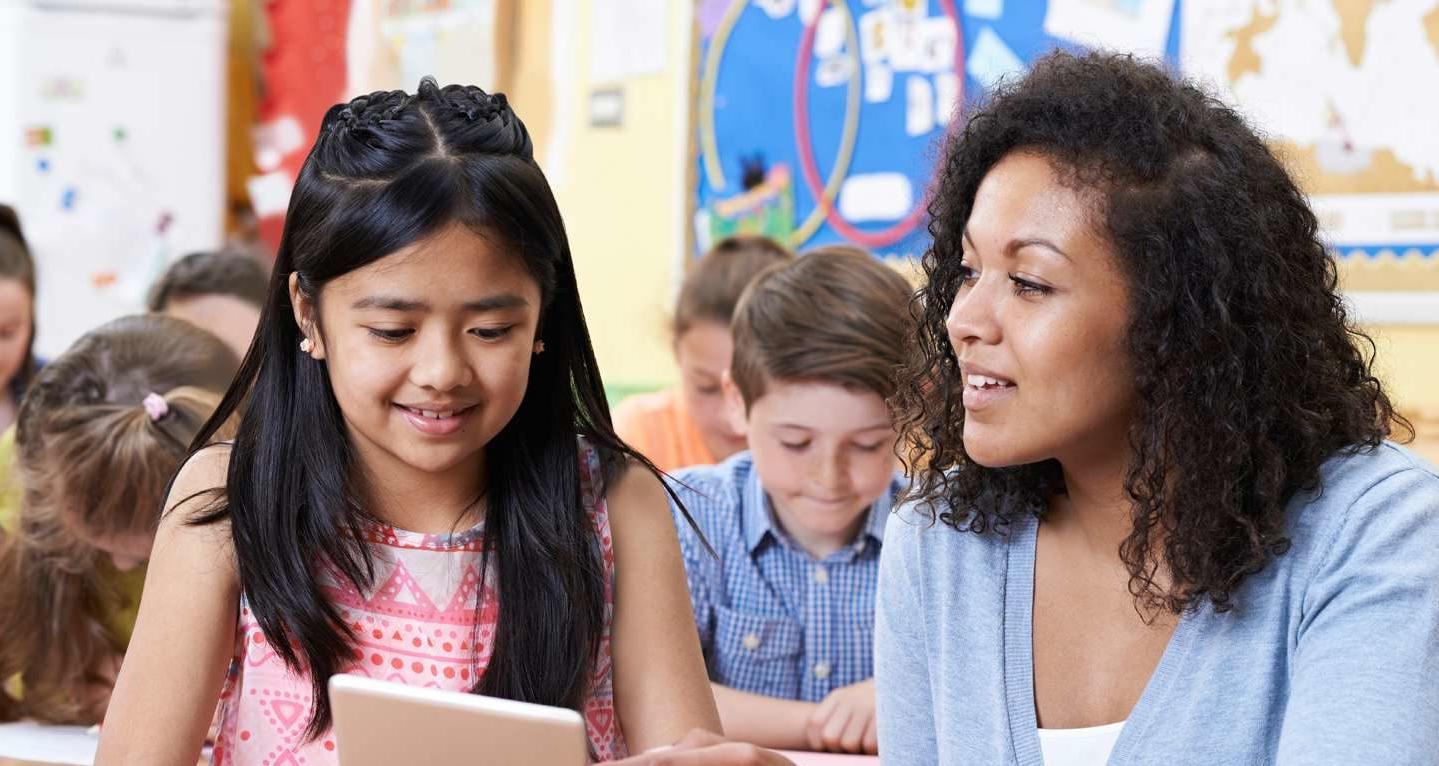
(1408, 361)
(621, 190)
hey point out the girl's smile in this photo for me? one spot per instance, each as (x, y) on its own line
(437, 419)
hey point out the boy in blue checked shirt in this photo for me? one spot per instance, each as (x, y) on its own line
(785, 610)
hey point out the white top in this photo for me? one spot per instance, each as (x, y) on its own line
(1089, 746)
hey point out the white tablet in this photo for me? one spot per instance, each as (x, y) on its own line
(378, 723)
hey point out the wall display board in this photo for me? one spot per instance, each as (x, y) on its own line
(819, 121)
(1346, 90)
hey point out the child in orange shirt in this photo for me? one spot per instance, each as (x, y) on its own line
(685, 425)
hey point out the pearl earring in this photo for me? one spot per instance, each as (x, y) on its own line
(539, 347)
(306, 345)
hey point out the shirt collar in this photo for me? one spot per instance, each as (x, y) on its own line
(758, 518)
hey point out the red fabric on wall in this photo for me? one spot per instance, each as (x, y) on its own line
(304, 74)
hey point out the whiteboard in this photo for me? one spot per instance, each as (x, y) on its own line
(118, 163)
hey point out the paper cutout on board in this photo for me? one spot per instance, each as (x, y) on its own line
(834, 71)
(878, 83)
(992, 60)
(809, 9)
(765, 207)
(829, 33)
(938, 43)
(874, 36)
(876, 197)
(984, 9)
(776, 9)
(946, 97)
(906, 44)
(919, 114)
(1135, 26)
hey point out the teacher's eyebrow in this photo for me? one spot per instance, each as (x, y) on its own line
(1019, 243)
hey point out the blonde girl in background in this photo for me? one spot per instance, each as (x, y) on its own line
(101, 431)
(686, 425)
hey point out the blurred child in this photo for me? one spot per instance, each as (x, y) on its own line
(17, 316)
(221, 292)
(786, 610)
(686, 425)
(424, 470)
(101, 431)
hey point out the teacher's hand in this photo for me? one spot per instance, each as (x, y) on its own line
(705, 748)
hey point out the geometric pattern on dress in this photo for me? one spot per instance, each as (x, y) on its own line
(425, 622)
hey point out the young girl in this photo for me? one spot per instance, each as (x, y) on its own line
(425, 487)
(101, 431)
(17, 316)
(686, 425)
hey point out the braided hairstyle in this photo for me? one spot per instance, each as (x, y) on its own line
(1249, 374)
(389, 169)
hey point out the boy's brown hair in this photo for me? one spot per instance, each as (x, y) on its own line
(834, 315)
(226, 272)
(715, 282)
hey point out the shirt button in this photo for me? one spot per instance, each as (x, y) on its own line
(821, 575)
(751, 642)
(821, 670)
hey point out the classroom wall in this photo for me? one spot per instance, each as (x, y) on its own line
(1408, 361)
(621, 188)
(623, 192)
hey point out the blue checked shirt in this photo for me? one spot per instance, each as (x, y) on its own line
(772, 620)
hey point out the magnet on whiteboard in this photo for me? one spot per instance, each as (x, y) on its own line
(919, 114)
(68, 197)
(878, 83)
(39, 135)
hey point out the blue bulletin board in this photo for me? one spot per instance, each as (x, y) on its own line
(821, 121)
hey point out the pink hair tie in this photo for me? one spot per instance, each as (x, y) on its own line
(156, 406)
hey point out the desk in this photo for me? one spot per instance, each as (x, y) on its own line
(817, 759)
(26, 744)
(30, 743)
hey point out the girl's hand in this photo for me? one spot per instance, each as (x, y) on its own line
(844, 722)
(705, 748)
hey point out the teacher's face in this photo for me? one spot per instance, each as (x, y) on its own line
(1038, 323)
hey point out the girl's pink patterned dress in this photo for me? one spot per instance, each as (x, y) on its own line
(419, 626)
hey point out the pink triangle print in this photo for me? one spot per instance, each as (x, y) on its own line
(287, 712)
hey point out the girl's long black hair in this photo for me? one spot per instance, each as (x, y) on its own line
(389, 169)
